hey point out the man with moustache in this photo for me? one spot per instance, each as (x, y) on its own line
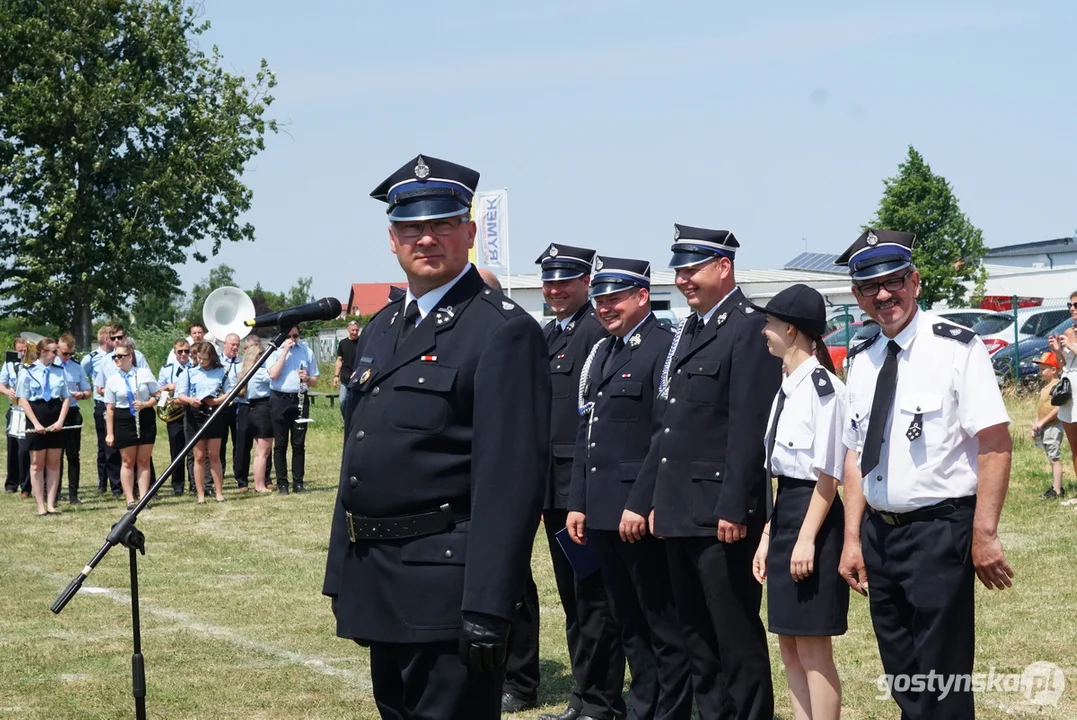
(609, 501)
(444, 464)
(593, 637)
(717, 387)
(926, 474)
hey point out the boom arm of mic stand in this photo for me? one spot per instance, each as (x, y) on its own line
(122, 530)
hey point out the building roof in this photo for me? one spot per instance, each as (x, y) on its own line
(819, 262)
(366, 298)
(1039, 247)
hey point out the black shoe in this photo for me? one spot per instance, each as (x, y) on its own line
(1050, 495)
(178, 491)
(75, 500)
(298, 488)
(569, 714)
(283, 487)
(510, 703)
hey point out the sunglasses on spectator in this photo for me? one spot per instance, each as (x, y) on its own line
(62, 353)
(117, 337)
(183, 352)
(118, 356)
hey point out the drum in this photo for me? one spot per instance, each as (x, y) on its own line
(16, 427)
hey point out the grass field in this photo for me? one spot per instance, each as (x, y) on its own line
(234, 626)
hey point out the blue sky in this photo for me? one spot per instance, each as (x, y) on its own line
(609, 121)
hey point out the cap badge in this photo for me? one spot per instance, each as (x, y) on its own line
(422, 170)
(364, 377)
(676, 233)
(955, 332)
(507, 305)
(635, 340)
(553, 251)
(873, 239)
(598, 264)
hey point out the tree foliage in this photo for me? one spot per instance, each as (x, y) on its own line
(122, 146)
(948, 247)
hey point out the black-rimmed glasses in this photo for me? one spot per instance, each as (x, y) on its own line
(871, 289)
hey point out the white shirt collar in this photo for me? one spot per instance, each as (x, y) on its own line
(790, 383)
(429, 301)
(710, 313)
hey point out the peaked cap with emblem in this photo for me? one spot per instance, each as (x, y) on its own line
(878, 252)
(427, 188)
(616, 274)
(800, 306)
(564, 262)
(692, 245)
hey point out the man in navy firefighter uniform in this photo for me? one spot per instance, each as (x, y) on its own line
(710, 482)
(607, 510)
(444, 464)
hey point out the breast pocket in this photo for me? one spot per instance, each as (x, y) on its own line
(792, 452)
(623, 401)
(702, 381)
(561, 370)
(919, 419)
(422, 398)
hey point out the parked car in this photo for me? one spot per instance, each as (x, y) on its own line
(968, 317)
(1028, 351)
(998, 331)
(839, 342)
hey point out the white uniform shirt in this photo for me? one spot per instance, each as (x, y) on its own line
(951, 384)
(142, 383)
(809, 435)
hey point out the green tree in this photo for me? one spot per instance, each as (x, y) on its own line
(122, 144)
(157, 309)
(948, 247)
(220, 276)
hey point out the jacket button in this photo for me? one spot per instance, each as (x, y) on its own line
(592, 444)
(678, 372)
(665, 431)
(750, 511)
(600, 393)
(360, 435)
(672, 400)
(448, 553)
(917, 408)
(878, 477)
(717, 473)
(375, 391)
(594, 469)
(663, 461)
(422, 380)
(353, 481)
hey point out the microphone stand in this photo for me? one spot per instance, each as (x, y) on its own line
(125, 533)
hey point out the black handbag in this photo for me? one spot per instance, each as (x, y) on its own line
(1062, 393)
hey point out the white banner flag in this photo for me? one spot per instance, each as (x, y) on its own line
(491, 211)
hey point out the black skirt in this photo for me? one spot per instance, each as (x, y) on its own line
(194, 418)
(123, 428)
(47, 413)
(819, 604)
(259, 424)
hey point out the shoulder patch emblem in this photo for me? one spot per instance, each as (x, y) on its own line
(507, 305)
(821, 381)
(953, 332)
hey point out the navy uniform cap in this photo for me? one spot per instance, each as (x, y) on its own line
(692, 245)
(878, 252)
(616, 274)
(800, 306)
(564, 262)
(427, 188)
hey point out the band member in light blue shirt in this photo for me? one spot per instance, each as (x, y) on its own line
(79, 388)
(290, 367)
(253, 421)
(18, 453)
(42, 393)
(168, 378)
(130, 396)
(108, 461)
(201, 389)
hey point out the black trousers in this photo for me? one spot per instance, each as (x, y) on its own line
(283, 411)
(108, 459)
(18, 463)
(177, 440)
(427, 681)
(229, 418)
(72, 452)
(717, 600)
(241, 454)
(522, 664)
(594, 639)
(638, 587)
(922, 607)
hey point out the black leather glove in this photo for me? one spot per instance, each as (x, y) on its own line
(484, 642)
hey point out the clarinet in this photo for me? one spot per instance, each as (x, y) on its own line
(300, 420)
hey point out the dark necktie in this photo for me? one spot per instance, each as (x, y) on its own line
(885, 386)
(772, 436)
(555, 333)
(411, 315)
(615, 349)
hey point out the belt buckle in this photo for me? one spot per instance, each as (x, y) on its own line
(351, 526)
(888, 518)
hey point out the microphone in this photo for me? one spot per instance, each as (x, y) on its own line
(324, 309)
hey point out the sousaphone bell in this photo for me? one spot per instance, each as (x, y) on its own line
(226, 311)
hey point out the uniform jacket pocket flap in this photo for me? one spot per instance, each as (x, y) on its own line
(443, 549)
(564, 450)
(702, 367)
(628, 471)
(707, 469)
(431, 378)
(919, 403)
(561, 366)
(795, 440)
(632, 388)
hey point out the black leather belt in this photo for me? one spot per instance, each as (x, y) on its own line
(403, 526)
(284, 394)
(938, 510)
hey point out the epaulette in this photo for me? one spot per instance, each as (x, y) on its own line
(954, 332)
(857, 349)
(664, 328)
(94, 353)
(503, 304)
(821, 380)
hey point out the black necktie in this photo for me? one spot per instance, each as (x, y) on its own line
(885, 386)
(411, 315)
(615, 348)
(555, 333)
(771, 438)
